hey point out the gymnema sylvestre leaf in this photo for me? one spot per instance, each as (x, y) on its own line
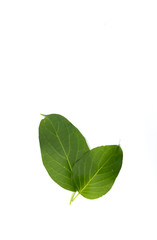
(61, 146)
(70, 163)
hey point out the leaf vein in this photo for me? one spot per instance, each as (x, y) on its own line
(58, 162)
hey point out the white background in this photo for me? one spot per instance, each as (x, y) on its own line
(94, 62)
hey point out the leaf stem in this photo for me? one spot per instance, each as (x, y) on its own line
(73, 198)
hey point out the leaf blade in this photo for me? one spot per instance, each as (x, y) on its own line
(104, 164)
(61, 144)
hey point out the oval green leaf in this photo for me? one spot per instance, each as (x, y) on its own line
(61, 145)
(94, 174)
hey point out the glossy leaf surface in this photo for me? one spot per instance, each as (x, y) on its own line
(94, 174)
(61, 146)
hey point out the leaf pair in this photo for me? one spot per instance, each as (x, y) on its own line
(70, 163)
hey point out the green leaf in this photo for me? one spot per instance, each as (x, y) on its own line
(61, 146)
(94, 174)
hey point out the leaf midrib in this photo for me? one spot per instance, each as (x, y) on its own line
(94, 175)
(61, 144)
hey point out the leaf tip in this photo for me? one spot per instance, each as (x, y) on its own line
(43, 115)
(119, 142)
